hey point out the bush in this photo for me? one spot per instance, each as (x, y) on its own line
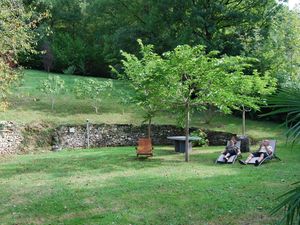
(70, 70)
(203, 138)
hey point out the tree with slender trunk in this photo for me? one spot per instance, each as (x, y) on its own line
(146, 84)
(188, 77)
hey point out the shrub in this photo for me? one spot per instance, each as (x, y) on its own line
(203, 138)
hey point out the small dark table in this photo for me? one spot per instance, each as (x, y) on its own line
(179, 142)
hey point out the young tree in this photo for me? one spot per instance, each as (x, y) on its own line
(197, 78)
(188, 78)
(144, 81)
(93, 90)
(52, 87)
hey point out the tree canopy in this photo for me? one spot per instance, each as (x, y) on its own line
(16, 25)
(89, 35)
(189, 77)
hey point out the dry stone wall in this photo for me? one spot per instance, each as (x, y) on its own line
(10, 137)
(103, 135)
(16, 138)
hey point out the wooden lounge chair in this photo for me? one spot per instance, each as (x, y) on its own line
(270, 157)
(232, 158)
(144, 147)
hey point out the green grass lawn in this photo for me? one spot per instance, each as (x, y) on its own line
(111, 186)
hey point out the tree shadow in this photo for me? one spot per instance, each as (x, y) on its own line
(104, 161)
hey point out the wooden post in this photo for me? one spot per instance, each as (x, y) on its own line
(87, 133)
(244, 122)
(187, 125)
(149, 128)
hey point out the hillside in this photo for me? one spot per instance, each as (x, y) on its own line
(29, 105)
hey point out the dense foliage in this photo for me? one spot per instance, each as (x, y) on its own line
(16, 36)
(287, 101)
(88, 35)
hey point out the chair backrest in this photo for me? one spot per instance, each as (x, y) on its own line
(273, 145)
(238, 144)
(144, 145)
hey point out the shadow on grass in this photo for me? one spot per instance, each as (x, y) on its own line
(165, 200)
(108, 160)
(104, 161)
(165, 190)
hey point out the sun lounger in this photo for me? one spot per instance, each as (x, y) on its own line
(232, 158)
(270, 157)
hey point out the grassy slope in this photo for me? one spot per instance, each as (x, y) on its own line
(28, 106)
(110, 186)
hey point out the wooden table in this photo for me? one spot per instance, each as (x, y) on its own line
(179, 143)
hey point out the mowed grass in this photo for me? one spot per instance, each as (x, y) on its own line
(112, 186)
(29, 105)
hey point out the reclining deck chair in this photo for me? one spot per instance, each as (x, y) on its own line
(270, 157)
(144, 147)
(232, 158)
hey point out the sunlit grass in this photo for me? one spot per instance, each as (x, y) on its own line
(111, 186)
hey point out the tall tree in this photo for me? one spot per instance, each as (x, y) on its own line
(107, 26)
(278, 52)
(16, 36)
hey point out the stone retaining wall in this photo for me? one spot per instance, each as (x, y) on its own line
(10, 137)
(102, 135)
(17, 138)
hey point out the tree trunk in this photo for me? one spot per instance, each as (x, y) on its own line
(96, 109)
(244, 122)
(149, 128)
(52, 103)
(187, 126)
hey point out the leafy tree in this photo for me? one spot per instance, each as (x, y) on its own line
(69, 52)
(145, 80)
(279, 52)
(188, 78)
(52, 87)
(197, 79)
(16, 25)
(93, 90)
(107, 26)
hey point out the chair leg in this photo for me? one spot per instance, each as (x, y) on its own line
(276, 157)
